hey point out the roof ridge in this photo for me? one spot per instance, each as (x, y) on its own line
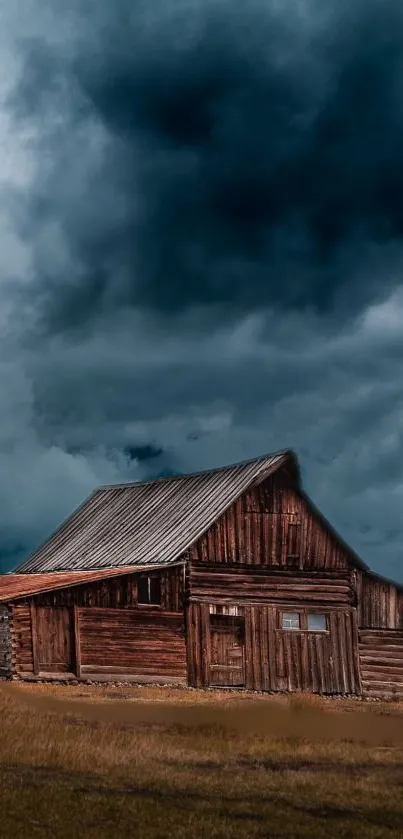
(162, 479)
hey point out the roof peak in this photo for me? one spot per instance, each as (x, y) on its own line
(148, 522)
(211, 470)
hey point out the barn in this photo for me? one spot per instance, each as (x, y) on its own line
(226, 578)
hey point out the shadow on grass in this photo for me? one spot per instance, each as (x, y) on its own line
(298, 765)
(253, 808)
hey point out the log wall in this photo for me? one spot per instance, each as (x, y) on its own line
(380, 621)
(381, 661)
(234, 583)
(22, 659)
(150, 645)
(274, 525)
(5, 643)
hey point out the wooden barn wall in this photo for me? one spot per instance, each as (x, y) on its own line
(5, 642)
(114, 595)
(380, 603)
(302, 661)
(132, 642)
(271, 525)
(381, 661)
(234, 583)
(118, 592)
(280, 660)
(22, 660)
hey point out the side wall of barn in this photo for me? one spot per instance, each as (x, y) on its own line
(380, 622)
(100, 631)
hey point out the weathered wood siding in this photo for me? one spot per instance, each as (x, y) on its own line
(274, 525)
(50, 631)
(147, 643)
(277, 659)
(281, 660)
(380, 603)
(198, 644)
(22, 660)
(269, 552)
(5, 643)
(53, 639)
(380, 621)
(321, 662)
(118, 592)
(241, 584)
(381, 661)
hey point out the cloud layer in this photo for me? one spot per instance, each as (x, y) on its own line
(202, 249)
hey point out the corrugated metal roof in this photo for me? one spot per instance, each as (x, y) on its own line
(148, 522)
(13, 586)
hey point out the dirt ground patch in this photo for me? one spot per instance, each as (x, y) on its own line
(299, 717)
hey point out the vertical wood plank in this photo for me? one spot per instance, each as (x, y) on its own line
(356, 651)
(34, 639)
(77, 641)
(271, 614)
(205, 645)
(264, 648)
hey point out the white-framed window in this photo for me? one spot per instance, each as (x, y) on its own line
(290, 620)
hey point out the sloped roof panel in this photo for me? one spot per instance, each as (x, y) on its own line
(146, 523)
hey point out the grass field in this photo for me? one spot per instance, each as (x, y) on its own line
(152, 762)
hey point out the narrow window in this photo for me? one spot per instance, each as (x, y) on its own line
(149, 590)
(293, 540)
(317, 623)
(290, 620)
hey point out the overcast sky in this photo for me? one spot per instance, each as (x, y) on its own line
(201, 228)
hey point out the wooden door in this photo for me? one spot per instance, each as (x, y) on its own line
(227, 651)
(54, 640)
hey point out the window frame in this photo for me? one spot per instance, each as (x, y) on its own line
(316, 615)
(294, 541)
(290, 628)
(303, 615)
(149, 603)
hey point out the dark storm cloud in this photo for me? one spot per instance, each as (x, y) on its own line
(247, 158)
(207, 233)
(146, 452)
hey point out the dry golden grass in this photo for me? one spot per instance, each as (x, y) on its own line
(152, 762)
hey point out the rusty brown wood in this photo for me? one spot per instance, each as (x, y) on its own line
(145, 642)
(268, 552)
(274, 523)
(77, 641)
(380, 603)
(118, 592)
(34, 639)
(381, 661)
